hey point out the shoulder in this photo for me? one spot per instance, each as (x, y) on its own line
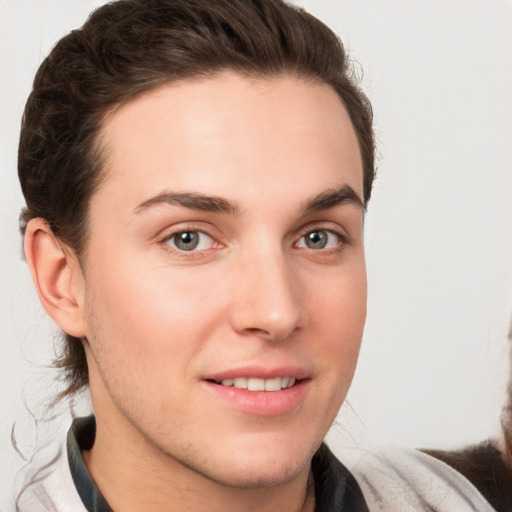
(48, 484)
(484, 466)
(402, 479)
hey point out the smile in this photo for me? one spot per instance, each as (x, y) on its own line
(260, 396)
(257, 384)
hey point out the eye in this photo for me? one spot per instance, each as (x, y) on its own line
(320, 239)
(190, 241)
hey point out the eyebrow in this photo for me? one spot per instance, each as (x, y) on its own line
(332, 198)
(197, 201)
(193, 200)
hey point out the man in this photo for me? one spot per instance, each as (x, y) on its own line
(196, 175)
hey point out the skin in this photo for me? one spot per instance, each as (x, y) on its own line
(158, 320)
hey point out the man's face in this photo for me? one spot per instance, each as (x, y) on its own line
(225, 251)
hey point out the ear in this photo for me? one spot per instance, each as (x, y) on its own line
(57, 276)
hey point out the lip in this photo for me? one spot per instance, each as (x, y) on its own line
(260, 403)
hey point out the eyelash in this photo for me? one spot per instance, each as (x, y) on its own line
(342, 241)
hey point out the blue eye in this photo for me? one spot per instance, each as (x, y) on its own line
(190, 241)
(320, 239)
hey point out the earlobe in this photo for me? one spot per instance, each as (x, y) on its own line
(57, 277)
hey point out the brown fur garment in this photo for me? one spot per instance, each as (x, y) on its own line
(485, 467)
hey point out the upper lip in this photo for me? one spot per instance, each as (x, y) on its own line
(259, 372)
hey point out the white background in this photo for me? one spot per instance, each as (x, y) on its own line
(433, 367)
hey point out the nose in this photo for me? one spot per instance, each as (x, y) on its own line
(266, 298)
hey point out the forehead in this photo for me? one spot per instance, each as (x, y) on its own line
(218, 133)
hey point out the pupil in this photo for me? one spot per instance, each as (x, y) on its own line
(186, 241)
(316, 240)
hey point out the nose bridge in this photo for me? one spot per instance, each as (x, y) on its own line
(267, 298)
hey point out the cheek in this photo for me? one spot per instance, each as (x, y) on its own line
(341, 295)
(338, 317)
(146, 341)
(148, 320)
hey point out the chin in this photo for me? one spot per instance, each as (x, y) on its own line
(259, 476)
(258, 465)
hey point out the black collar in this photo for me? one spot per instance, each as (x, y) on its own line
(81, 437)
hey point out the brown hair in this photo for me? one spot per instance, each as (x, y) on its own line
(128, 47)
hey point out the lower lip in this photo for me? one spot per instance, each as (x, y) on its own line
(262, 403)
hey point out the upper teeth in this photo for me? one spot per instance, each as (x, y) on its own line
(255, 384)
